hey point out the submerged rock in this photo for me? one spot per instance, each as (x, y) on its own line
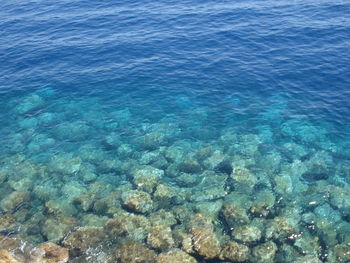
(183, 240)
(83, 239)
(152, 141)
(49, 253)
(137, 201)
(246, 233)
(72, 131)
(279, 229)
(243, 180)
(308, 259)
(56, 228)
(264, 253)
(10, 243)
(6, 257)
(65, 163)
(189, 166)
(175, 256)
(160, 237)
(209, 209)
(134, 252)
(7, 222)
(14, 200)
(340, 253)
(32, 102)
(205, 243)
(164, 196)
(234, 215)
(146, 178)
(162, 217)
(128, 225)
(215, 160)
(235, 252)
(211, 187)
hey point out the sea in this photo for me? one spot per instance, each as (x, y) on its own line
(175, 131)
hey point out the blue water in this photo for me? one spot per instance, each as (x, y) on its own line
(241, 103)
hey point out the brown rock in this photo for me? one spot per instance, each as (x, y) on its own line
(234, 252)
(9, 243)
(175, 256)
(49, 253)
(205, 243)
(134, 252)
(83, 239)
(6, 257)
(160, 237)
(234, 215)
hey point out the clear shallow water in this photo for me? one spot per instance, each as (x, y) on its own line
(204, 108)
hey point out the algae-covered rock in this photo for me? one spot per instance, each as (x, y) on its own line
(6, 257)
(279, 229)
(199, 221)
(11, 244)
(150, 157)
(209, 209)
(49, 253)
(183, 240)
(205, 243)
(164, 196)
(65, 163)
(146, 178)
(264, 253)
(87, 172)
(234, 215)
(210, 187)
(94, 220)
(243, 180)
(340, 253)
(235, 252)
(129, 225)
(134, 252)
(240, 199)
(175, 256)
(160, 237)
(153, 140)
(283, 184)
(184, 179)
(214, 161)
(146, 183)
(14, 200)
(55, 228)
(246, 233)
(109, 204)
(340, 198)
(84, 238)
(308, 259)
(84, 201)
(23, 184)
(308, 243)
(260, 209)
(7, 221)
(190, 166)
(319, 166)
(287, 253)
(137, 201)
(60, 207)
(162, 217)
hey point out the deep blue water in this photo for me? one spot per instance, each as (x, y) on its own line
(264, 83)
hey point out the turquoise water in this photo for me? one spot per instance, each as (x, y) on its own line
(176, 132)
